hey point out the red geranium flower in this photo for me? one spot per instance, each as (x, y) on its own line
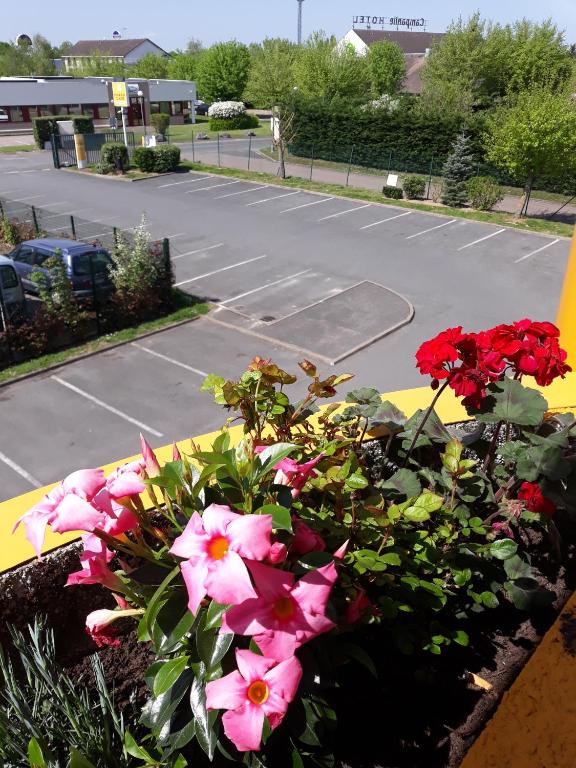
(535, 500)
(435, 355)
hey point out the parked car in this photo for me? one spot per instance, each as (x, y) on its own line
(3, 115)
(82, 262)
(200, 107)
(11, 292)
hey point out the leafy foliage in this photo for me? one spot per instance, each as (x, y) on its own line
(143, 158)
(457, 170)
(44, 127)
(394, 193)
(414, 186)
(223, 71)
(160, 122)
(386, 68)
(325, 71)
(271, 72)
(115, 153)
(483, 192)
(166, 158)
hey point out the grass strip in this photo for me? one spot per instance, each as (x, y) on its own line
(187, 309)
(8, 150)
(373, 196)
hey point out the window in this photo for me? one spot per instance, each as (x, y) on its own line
(16, 115)
(154, 107)
(165, 107)
(45, 110)
(8, 277)
(177, 107)
(101, 263)
(41, 256)
(25, 255)
(74, 109)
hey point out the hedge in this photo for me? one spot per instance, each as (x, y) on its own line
(45, 127)
(166, 158)
(234, 123)
(144, 158)
(115, 153)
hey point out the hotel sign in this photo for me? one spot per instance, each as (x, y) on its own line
(388, 21)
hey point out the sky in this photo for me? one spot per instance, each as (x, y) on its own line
(172, 23)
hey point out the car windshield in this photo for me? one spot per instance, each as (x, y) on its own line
(100, 263)
(8, 278)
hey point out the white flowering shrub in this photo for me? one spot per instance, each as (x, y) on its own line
(224, 110)
(386, 103)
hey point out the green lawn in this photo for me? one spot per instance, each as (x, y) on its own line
(187, 309)
(18, 148)
(183, 133)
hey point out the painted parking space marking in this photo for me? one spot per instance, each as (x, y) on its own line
(390, 218)
(213, 186)
(173, 237)
(65, 213)
(222, 269)
(188, 181)
(243, 192)
(269, 199)
(306, 205)
(170, 360)
(262, 287)
(198, 250)
(538, 250)
(343, 213)
(481, 240)
(22, 199)
(106, 407)
(431, 229)
(20, 471)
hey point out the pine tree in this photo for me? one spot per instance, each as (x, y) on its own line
(458, 168)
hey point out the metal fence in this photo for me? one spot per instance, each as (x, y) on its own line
(64, 149)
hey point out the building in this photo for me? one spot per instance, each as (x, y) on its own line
(118, 50)
(415, 45)
(24, 98)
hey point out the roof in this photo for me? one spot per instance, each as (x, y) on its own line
(62, 244)
(410, 42)
(120, 47)
(413, 79)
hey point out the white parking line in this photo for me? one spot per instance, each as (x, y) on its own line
(188, 181)
(481, 240)
(431, 229)
(243, 192)
(342, 213)
(538, 250)
(390, 218)
(22, 199)
(65, 213)
(173, 237)
(20, 471)
(276, 197)
(198, 250)
(106, 407)
(305, 205)
(222, 269)
(213, 186)
(262, 287)
(170, 359)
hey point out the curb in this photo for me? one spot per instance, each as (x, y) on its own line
(106, 177)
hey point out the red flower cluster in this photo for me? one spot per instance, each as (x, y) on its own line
(470, 361)
(535, 500)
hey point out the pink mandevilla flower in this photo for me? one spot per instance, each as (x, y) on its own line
(305, 539)
(284, 615)
(214, 546)
(260, 688)
(151, 463)
(294, 475)
(94, 560)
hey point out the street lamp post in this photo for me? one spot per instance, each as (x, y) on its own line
(142, 112)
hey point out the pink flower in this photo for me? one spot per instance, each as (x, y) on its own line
(260, 688)
(176, 455)
(289, 472)
(150, 461)
(340, 553)
(277, 554)
(503, 527)
(305, 539)
(99, 625)
(214, 546)
(358, 606)
(284, 615)
(94, 560)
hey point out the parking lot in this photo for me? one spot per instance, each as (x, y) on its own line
(353, 285)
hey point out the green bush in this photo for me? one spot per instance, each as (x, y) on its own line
(104, 168)
(394, 193)
(414, 187)
(143, 158)
(160, 121)
(166, 158)
(234, 123)
(483, 192)
(115, 153)
(44, 127)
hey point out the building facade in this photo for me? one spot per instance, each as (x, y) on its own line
(121, 51)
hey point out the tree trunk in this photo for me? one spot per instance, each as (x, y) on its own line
(282, 164)
(526, 196)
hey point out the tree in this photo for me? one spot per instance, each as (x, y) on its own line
(223, 72)
(271, 74)
(194, 46)
(458, 168)
(183, 66)
(323, 70)
(535, 134)
(386, 68)
(150, 67)
(99, 65)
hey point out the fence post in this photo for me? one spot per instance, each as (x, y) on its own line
(430, 179)
(389, 161)
(193, 150)
(95, 294)
(115, 235)
(249, 149)
(1, 210)
(218, 138)
(350, 164)
(73, 227)
(35, 220)
(55, 155)
(311, 162)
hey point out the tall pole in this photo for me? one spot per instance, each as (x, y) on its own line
(566, 317)
(300, 21)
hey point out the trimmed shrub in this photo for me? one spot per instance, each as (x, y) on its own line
(483, 192)
(143, 158)
(394, 193)
(104, 168)
(160, 121)
(234, 123)
(44, 127)
(115, 153)
(414, 187)
(166, 158)
(226, 109)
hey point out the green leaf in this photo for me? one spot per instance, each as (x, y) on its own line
(527, 594)
(510, 401)
(212, 647)
(297, 761)
(152, 609)
(542, 460)
(489, 599)
(460, 637)
(503, 549)
(451, 456)
(364, 396)
(77, 760)
(133, 749)
(387, 415)
(390, 558)
(356, 482)
(35, 757)
(174, 621)
(204, 721)
(273, 454)
(168, 673)
(421, 509)
(281, 519)
(403, 483)
(516, 568)
(212, 381)
(356, 652)
(214, 615)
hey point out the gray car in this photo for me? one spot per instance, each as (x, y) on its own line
(12, 301)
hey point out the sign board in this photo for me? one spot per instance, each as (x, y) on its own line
(388, 21)
(392, 180)
(65, 127)
(120, 95)
(149, 141)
